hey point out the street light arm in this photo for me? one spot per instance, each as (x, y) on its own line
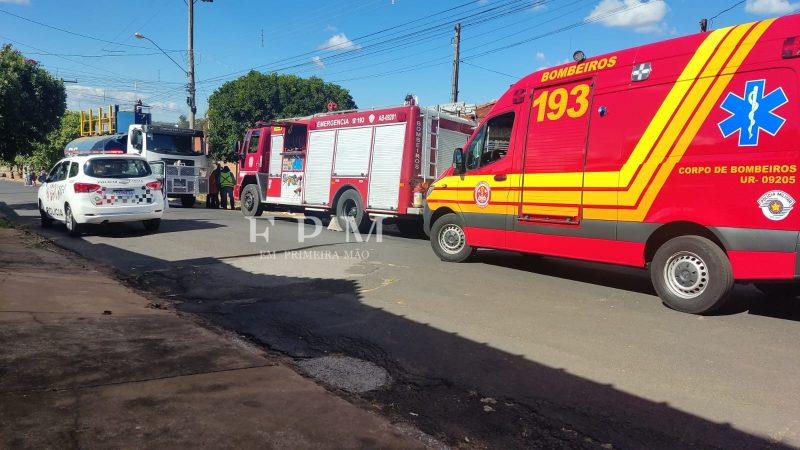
(141, 36)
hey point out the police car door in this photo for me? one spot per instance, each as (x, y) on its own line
(554, 157)
(54, 188)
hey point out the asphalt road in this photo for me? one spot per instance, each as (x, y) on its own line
(506, 351)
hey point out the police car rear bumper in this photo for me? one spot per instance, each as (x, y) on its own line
(115, 215)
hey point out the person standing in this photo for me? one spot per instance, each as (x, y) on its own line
(26, 177)
(42, 176)
(32, 177)
(226, 183)
(212, 199)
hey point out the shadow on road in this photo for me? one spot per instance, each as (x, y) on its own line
(443, 382)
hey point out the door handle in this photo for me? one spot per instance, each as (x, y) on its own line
(499, 178)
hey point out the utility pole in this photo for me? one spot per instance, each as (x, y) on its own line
(190, 72)
(456, 60)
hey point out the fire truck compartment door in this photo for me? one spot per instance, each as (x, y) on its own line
(555, 154)
(352, 152)
(319, 159)
(275, 157)
(387, 158)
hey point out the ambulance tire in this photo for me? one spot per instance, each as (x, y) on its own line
(74, 229)
(251, 202)
(188, 201)
(448, 239)
(350, 207)
(46, 220)
(692, 274)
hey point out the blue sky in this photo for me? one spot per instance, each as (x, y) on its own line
(379, 49)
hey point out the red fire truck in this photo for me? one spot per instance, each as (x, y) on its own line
(353, 164)
(680, 155)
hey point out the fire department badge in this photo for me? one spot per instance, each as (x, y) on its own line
(776, 205)
(482, 194)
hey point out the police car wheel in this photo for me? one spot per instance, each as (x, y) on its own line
(449, 240)
(74, 229)
(692, 274)
(152, 224)
(47, 221)
(251, 204)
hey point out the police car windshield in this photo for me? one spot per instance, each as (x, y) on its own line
(116, 168)
(170, 144)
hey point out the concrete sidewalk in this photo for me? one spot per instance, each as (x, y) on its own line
(86, 363)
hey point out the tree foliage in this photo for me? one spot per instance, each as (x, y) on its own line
(46, 153)
(31, 104)
(239, 104)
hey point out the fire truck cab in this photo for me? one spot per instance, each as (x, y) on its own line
(352, 164)
(680, 156)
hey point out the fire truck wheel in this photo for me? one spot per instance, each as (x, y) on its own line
(74, 229)
(692, 274)
(187, 202)
(251, 203)
(47, 221)
(448, 239)
(350, 208)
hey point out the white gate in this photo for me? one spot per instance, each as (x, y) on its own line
(387, 158)
(319, 158)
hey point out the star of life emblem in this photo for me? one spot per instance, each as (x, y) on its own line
(753, 113)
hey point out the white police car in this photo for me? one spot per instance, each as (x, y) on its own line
(101, 188)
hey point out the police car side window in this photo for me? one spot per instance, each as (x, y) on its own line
(54, 172)
(73, 169)
(491, 144)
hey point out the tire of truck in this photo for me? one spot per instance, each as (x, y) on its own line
(779, 290)
(46, 220)
(350, 208)
(692, 274)
(251, 203)
(188, 201)
(448, 239)
(74, 229)
(152, 224)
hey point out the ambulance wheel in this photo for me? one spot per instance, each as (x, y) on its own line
(188, 201)
(152, 224)
(779, 290)
(251, 203)
(692, 274)
(448, 239)
(350, 208)
(47, 221)
(74, 229)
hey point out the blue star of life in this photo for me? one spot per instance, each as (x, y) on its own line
(752, 113)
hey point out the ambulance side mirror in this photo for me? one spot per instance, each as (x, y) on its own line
(458, 161)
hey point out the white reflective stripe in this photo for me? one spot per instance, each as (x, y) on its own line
(319, 158)
(387, 158)
(352, 152)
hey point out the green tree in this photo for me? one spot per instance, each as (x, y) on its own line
(31, 103)
(182, 122)
(240, 103)
(47, 152)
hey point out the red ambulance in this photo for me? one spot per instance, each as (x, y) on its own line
(680, 156)
(353, 164)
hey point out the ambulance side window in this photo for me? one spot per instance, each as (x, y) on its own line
(491, 142)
